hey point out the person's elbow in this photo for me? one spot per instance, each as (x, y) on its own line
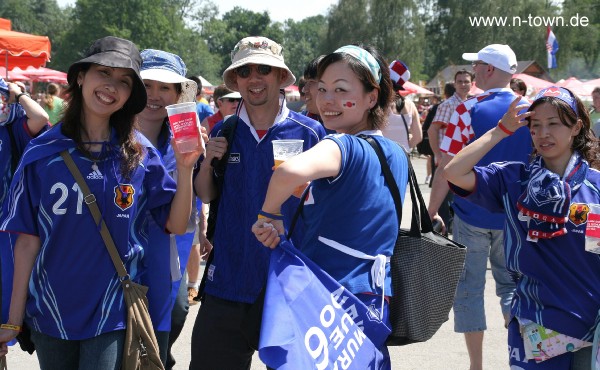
(37, 122)
(450, 172)
(175, 228)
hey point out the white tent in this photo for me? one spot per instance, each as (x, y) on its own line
(205, 82)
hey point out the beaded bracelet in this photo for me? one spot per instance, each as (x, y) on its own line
(272, 216)
(11, 327)
(504, 129)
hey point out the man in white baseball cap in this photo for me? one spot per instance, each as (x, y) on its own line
(478, 229)
(225, 334)
(499, 55)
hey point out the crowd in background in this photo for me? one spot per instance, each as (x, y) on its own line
(112, 118)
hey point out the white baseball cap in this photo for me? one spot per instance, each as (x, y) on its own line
(499, 55)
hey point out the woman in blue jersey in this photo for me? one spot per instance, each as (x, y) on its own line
(348, 205)
(164, 78)
(21, 119)
(65, 286)
(548, 203)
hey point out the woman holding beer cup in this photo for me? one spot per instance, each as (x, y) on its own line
(353, 96)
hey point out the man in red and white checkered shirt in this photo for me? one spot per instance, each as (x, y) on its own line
(462, 86)
(478, 229)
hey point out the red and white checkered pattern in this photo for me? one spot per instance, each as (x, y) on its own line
(459, 131)
(399, 72)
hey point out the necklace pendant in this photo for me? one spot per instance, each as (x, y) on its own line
(94, 167)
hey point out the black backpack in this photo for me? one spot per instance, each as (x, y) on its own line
(423, 147)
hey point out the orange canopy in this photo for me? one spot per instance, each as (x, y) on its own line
(22, 49)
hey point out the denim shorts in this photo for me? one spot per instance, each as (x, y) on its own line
(469, 311)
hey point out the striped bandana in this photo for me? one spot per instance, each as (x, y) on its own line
(364, 57)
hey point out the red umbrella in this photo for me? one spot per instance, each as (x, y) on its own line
(592, 83)
(411, 88)
(12, 76)
(576, 86)
(41, 73)
(536, 83)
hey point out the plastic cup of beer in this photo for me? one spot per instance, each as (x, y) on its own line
(185, 126)
(284, 149)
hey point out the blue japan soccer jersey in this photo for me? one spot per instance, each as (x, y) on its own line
(74, 290)
(239, 268)
(355, 209)
(558, 285)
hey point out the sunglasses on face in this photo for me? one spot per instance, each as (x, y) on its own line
(231, 100)
(474, 64)
(245, 70)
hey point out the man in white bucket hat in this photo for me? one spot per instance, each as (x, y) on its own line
(226, 332)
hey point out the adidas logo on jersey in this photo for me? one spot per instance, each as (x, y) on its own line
(95, 175)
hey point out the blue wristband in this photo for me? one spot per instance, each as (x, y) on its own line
(272, 216)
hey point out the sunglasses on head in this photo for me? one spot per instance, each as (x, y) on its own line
(245, 70)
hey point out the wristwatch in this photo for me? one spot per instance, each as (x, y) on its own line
(19, 96)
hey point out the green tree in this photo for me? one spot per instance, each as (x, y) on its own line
(145, 22)
(399, 32)
(348, 22)
(302, 42)
(221, 35)
(579, 51)
(451, 31)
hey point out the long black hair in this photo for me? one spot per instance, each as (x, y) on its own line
(123, 121)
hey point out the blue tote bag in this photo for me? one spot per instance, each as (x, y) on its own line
(310, 321)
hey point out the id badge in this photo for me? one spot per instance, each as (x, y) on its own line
(592, 230)
(541, 343)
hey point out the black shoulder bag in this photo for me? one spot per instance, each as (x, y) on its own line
(425, 267)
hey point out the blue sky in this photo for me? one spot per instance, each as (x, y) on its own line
(279, 10)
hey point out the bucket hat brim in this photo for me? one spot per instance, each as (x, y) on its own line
(188, 87)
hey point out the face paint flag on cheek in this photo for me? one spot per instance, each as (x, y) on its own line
(349, 104)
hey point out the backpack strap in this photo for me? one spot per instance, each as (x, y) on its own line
(219, 167)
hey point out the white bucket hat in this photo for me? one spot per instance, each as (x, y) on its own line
(257, 50)
(158, 65)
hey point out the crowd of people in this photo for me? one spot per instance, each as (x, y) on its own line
(514, 179)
